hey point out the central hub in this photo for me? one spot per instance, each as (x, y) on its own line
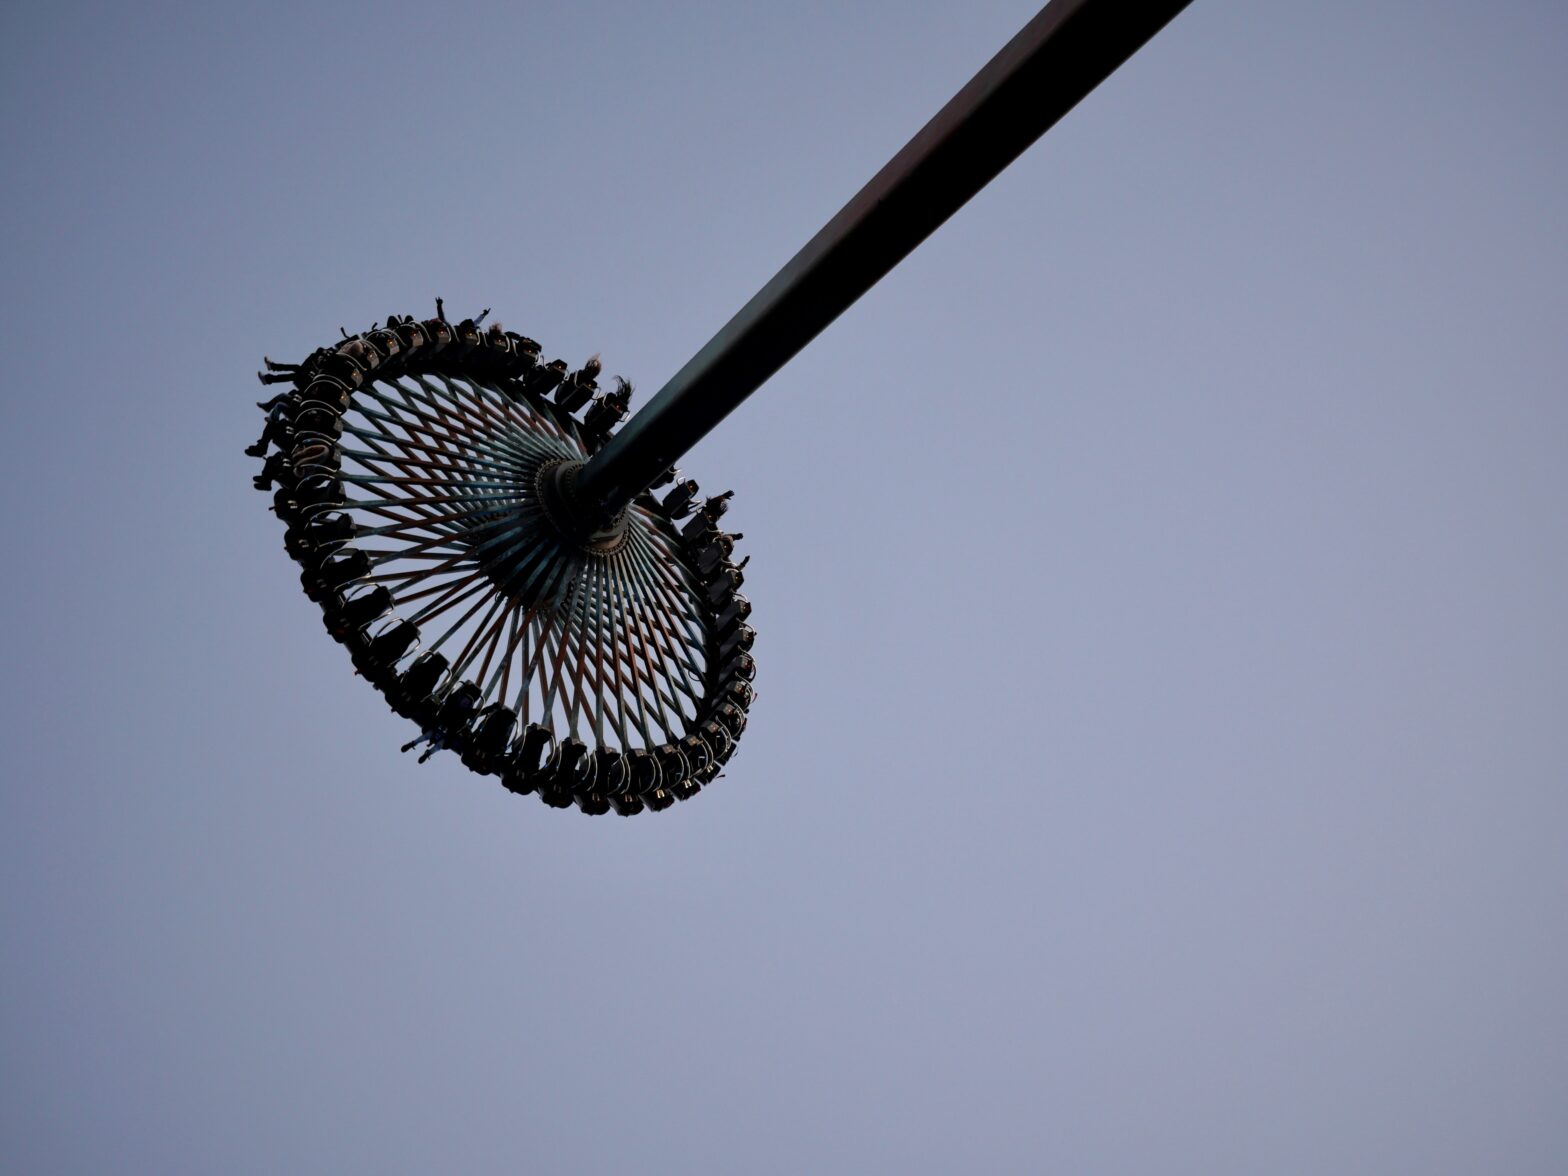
(535, 548)
(555, 486)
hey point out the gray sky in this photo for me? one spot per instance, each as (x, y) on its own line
(1159, 762)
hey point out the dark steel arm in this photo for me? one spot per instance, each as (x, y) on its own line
(1041, 74)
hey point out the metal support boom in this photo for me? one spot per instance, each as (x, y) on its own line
(1068, 49)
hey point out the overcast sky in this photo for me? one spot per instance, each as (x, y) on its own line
(1160, 761)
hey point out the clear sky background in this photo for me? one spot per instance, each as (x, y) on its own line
(1160, 761)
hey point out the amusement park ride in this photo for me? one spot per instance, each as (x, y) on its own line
(533, 582)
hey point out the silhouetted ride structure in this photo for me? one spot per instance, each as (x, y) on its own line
(532, 582)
